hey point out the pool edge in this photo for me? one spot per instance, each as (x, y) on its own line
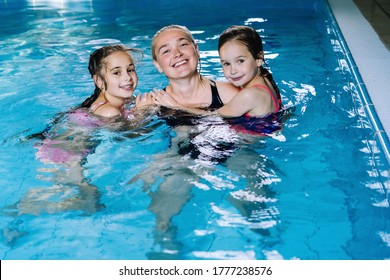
(352, 48)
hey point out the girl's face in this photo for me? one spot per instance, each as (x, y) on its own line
(176, 55)
(120, 76)
(238, 64)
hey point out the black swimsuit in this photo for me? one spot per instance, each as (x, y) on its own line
(216, 101)
(188, 145)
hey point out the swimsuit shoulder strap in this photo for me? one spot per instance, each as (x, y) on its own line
(277, 101)
(216, 101)
(96, 106)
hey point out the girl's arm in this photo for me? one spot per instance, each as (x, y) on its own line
(226, 91)
(163, 98)
(251, 100)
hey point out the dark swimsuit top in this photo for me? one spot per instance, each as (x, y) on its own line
(176, 118)
(216, 101)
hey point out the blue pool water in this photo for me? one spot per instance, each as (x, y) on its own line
(316, 189)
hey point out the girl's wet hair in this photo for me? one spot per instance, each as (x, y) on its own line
(173, 26)
(248, 37)
(97, 64)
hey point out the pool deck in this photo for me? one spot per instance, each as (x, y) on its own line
(372, 58)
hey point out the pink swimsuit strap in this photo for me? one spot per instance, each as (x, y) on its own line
(96, 106)
(277, 103)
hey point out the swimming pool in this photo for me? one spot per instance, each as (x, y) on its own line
(317, 189)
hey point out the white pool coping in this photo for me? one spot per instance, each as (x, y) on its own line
(372, 60)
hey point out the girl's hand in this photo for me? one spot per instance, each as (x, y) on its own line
(162, 98)
(145, 99)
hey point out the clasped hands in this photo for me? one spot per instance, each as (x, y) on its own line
(156, 97)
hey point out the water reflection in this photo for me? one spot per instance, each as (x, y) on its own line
(210, 155)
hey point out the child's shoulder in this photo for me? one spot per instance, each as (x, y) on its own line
(255, 92)
(106, 110)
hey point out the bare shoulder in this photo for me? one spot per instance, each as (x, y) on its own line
(227, 86)
(255, 93)
(107, 110)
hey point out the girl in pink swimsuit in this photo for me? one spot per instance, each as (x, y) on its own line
(242, 57)
(241, 52)
(68, 140)
(113, 72)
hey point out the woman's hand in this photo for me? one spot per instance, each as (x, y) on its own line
(162, 98)
(144, 100)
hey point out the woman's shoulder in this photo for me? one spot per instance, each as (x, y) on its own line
(226, 90)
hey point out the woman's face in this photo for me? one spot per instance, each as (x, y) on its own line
(176, 55)
(120, 76)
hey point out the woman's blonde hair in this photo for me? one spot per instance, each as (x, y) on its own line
(168, 27)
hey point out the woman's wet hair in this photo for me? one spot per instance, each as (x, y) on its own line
(97, 64)
(248, 37)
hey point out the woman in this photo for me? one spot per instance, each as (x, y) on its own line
(176, 54)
